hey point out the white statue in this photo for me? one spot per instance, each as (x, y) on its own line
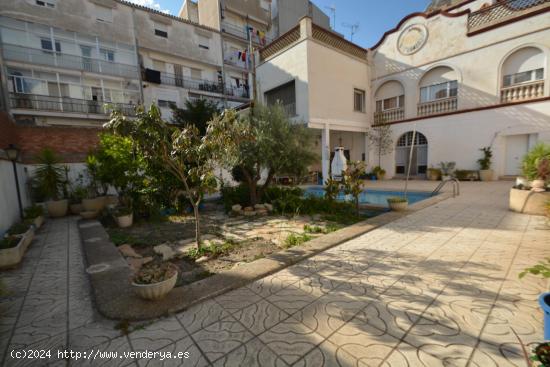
(339, 164)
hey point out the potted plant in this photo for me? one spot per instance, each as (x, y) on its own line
(379, 172)
(35, 215)
(77, 195)
(485, 171)
(124, 216)
(14, 243)
(398, 203)
(49, 177)
(95, 201)
(447, 169)
(542, 269)
(543, 172)
(154, 281)
(434, 174)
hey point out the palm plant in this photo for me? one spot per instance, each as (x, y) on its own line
(49, 174)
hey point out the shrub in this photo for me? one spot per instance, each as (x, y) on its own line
(533, 158)
(155, 273)
(463, 174)
(296, 239)
(485, 162)
(33, 211)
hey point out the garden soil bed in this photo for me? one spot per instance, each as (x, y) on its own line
(241, 240)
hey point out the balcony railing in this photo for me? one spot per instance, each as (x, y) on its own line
(67, 104)
(394, 114)
(240, 32)
(58, 59)
(502, 11)
(239, 92)
(235, 62)
(438, 106)
(195, 84)
(522, 92)
(290, 109)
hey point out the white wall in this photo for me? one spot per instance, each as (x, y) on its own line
(459, 137)
(9, 208)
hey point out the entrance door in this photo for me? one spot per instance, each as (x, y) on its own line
(516, 147)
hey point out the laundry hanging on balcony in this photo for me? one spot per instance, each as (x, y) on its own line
(250, 31)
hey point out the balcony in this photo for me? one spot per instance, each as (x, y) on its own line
(522, 92)
(503, 11)
(437, 106)
(155, 76)
(67, 105)
(238, 92)
(395, 114)
(240, 32)
(66, 61)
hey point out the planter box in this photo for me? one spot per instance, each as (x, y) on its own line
(125, 221)
(13, 255)
(57, 208)
(486, 174)
(528, 202)
(399, 206)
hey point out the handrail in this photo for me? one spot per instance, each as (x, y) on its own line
(456, 186)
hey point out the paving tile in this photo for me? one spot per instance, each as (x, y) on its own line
(90, 335)
(111, 353)
(291, 299)
(252, 354)
(260, 316)
(222, 337)
(237, 299)
(201, 315)
(290, 340)
(157, 335)
(184, 352)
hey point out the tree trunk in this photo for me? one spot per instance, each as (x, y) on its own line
(253, 192)
(197, 224)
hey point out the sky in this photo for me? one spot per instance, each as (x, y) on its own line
(374, 17)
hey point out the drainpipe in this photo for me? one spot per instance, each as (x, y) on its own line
(136, 45)
(222, 43)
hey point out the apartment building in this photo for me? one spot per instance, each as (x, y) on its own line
(458, 77)
(243, 26)
(285, 14)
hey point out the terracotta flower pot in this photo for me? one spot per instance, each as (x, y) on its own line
(57, 208)
(156, 290)
(124, 221)
(486, 174)
(94, 205)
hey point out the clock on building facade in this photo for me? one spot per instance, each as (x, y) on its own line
(412, 39)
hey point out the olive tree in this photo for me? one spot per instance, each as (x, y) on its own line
(182, 151)
(279, 146)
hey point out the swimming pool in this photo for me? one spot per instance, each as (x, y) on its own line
(373, 197)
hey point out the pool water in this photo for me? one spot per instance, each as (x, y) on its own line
(373, 197)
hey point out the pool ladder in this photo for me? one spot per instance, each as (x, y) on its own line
(456, 186)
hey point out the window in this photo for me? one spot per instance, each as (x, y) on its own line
(204, 42)
(439, 91)
(523, 77)
(107, 55)
(390, 103)
(359, 100)
(45, 3)
(46, 44)
(103, 14)
(161, 30)
(196, 73)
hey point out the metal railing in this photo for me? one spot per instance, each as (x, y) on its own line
(239, 92)
(456, 186)
(395, 114)
(290, 109)
(58, 59)
(503, 10)
(438, 106)
(240, 31)
(67, 104)
(522, 92)
(195, 84)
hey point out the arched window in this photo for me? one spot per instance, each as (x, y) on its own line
(438, 83)
(416, 163)
(523, 75)
(390, 102)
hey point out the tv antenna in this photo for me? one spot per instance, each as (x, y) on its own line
(353, 29)
(332, 10)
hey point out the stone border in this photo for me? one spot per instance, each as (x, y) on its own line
(110, 274)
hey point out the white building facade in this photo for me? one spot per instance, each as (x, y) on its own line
(470, 76)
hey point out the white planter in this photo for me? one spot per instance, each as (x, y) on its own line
(398, 207)
(157, 290)
(538, 185)
(528, 202)
(38, 221)
(486, 174)
(13, 255)
(125, 220)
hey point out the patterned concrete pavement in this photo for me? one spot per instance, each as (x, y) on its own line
(436, 288)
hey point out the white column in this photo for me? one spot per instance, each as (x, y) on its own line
(366, 137)
(325, 152)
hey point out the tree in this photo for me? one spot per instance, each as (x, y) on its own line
(186, 155)
(279, 146)
(380, 136)
(198, 113)
(353, 184)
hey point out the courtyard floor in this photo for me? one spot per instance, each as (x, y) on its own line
(437, 287)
